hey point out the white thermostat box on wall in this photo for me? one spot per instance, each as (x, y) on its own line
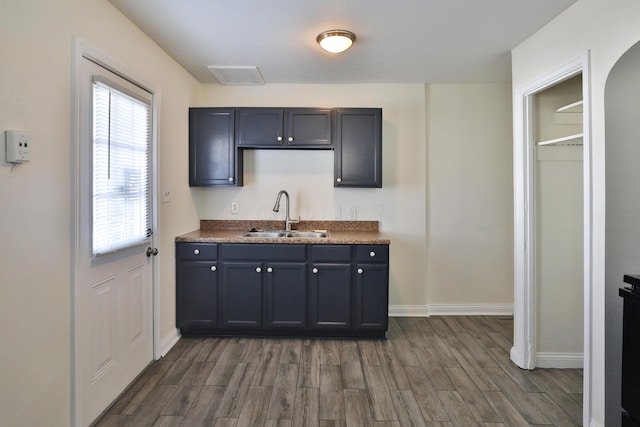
(17, 146)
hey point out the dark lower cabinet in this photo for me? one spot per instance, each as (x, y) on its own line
(241, 293)
(282, 289)
(196, 286)
(286, 295)
(331, 296)
(372, 296)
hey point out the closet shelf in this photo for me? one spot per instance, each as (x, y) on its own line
(574, 107)
(570, 114)
(565, 140)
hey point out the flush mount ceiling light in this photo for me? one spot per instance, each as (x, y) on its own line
(336, 41)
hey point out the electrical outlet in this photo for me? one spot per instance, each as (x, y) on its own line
(166, 196)
(234, 208)
(352, 215)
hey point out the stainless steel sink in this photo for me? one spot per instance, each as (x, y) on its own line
(278, 234)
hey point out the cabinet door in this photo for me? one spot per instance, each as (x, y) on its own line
(260, 127)
(196, 294)
(308, 128)
(212, 152)
(358, 147)
(241, 294)
(372, 296)
(286, 295)
(330, 297)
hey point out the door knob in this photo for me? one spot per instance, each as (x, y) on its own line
(152, 251)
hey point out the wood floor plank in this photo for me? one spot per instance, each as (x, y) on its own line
(135, 395)
(368, 353)
(113, 420)
(519, 376)
(480, 353)
(329, 352)
(352, 375)
(150, 409)
(542, 378)
(181, 400)
(331, 396)
(509, 414)
(226, 364)
(306, 410)
(518, 397)
(440, 327)
(236, 391)
(309, 373)
(441, 349)
(357, 408)
(284, 392)
(168, 421)
(226, 422)
(475, 401)
(407, 408)
(479, 377)
(201, 412)
(458, 412)
(381, 401)
(198, 374)
(277, 423)
(333, 423)
(391, 366)
(291, 349)
(254, 411)
(425, 395)
(554, 413)
(433, 369)
(267, 365)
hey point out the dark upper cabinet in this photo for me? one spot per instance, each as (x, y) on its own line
(283, 128)
(358, 147)
(212, 152)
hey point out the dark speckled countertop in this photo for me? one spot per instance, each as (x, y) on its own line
(340, 232)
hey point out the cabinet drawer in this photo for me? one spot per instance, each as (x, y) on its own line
(373, 253)
(197, 251)
(331, 253)
(263, 252)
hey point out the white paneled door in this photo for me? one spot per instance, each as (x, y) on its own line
(113, 297)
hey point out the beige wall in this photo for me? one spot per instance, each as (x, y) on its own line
(35, 89)
(470, 196)
(605, 29)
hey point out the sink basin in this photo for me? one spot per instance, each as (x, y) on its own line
(294, 233)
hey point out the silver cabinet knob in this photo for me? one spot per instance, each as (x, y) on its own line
(315, 271)
(230, 179)
(213, 268)
(279, 139)
(372, 254)
(258, 269)
(269, 270)
(290, 139)
(339, 180)
(196, 251)
(360, 271)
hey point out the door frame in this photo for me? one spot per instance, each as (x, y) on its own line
(80, 51)
(523, 352)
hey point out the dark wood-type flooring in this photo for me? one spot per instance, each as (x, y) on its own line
(437, 371)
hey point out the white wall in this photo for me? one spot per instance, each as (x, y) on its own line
(470, 196)
(605, 28)
(35, 89)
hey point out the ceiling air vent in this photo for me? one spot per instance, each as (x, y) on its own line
(237, 75)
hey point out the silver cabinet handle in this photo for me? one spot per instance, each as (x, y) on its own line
(360, 271)
(230, 179)
(339, 180)
(315, 271)
(258, 269)
(290, 139)
(269, 270)
(196, 251)
(279, 139)
(213, 268)
(372, 254)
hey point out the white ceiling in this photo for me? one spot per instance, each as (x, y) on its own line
(398, 41)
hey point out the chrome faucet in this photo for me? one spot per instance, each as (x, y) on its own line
(276, 208)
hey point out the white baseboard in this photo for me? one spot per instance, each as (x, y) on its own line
(169, 341)
(560, 360)
(408, 311)
(450, 310)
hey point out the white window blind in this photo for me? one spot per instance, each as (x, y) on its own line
(121, 168)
